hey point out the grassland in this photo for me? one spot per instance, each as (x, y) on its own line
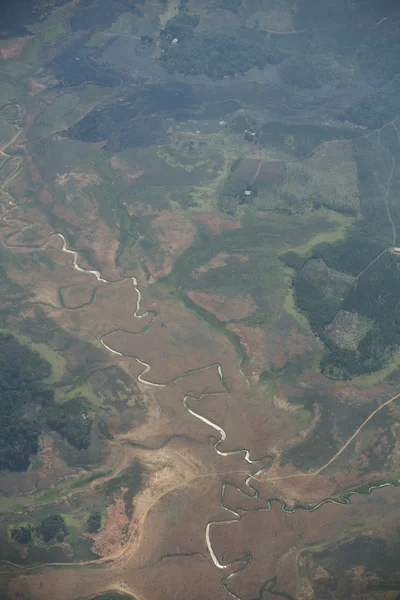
(126, 178)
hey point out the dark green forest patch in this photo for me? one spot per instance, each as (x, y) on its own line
(22, 391)
(377, 108)
(372, 301)
(72, 420)
(376, 297)
(319, 292)
(309, 72)
(379, 560)
(354, 253)
(93, 524)
(27, 406)
(215, 53)
(52, 528)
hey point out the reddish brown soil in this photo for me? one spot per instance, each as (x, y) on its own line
(175, 233)
(117, 163)
(224, 308)
(12, 48)
(281, 535)
(258, 353)
(77, 295)
(113, 536)
(220, 260)
(184, 474)
(295, 344)
(35, 87)
(216, 223)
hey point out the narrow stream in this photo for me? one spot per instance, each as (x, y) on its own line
(235, 515)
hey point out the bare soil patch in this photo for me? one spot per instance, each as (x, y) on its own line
(75, 296)
(257, 351)
(280, 534)
(83, 178)
(14, 47)
(114, 535)
(216, 222)
(174, 233)
(252, 169)
(35, 87)
(220, 260)
(118, 163)
(348, 329)
(225, 308)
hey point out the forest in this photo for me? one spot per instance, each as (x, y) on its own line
(355, 252)
(214, 53)
(307, 71)
(374, 296)
(22, 390)
(28, 407)
(319, 308)
(377, 108)
(72, 421)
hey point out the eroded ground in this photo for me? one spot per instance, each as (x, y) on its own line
(222, 461)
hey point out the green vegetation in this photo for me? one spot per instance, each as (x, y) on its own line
(232, 5)
(307, 71)
(22, 372)
(311, 298)
(72, 421)
(93, 523)
(218, 53)
(301, 140)
(52, 527)
(352, 255)
(180, 27)
(375, 296)
(376, 109)
(21, 535)
(132, 480)
(379, 58)
(27, 406)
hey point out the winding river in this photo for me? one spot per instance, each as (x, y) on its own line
(234, 515)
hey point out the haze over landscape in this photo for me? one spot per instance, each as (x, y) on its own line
(199, 315)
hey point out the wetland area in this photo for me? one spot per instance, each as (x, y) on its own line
(199, 328)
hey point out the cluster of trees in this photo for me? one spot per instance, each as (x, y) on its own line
(72, 421)
(27, 406)
(180, 27)
(311, 299)
(353, 254)
(373, 353)
(22, 390)
(216, 53)
(375, 296)
(50, 528)
(22, 535)
(93, 523)
(376, 109)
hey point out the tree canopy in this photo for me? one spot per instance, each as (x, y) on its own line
(22, 391)
(27, 406)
